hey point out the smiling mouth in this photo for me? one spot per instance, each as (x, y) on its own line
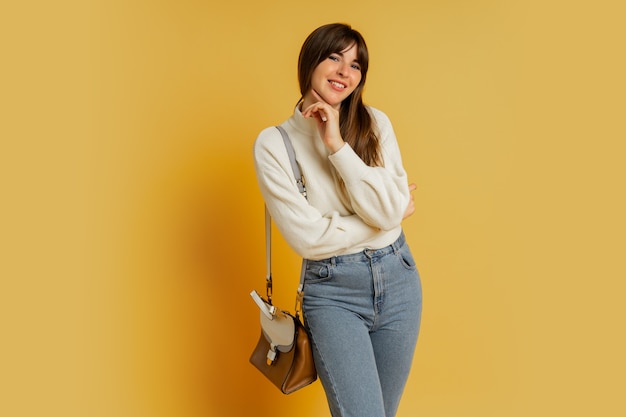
(337, 84)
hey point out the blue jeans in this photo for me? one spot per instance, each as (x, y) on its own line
(363, 313)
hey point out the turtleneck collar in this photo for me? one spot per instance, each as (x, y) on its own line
(302, 124)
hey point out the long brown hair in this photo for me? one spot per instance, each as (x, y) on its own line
(355, 122)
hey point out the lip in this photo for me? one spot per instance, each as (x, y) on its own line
(336, 88)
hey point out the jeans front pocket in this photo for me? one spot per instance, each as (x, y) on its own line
(317, 271)
(406, 257)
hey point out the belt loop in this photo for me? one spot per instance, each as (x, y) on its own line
(398, 243)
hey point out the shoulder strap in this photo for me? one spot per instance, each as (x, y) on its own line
(292, 159)
(268, 226)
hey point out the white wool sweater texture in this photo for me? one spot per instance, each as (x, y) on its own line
(350, 206)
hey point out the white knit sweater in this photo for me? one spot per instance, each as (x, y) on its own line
(332, 222)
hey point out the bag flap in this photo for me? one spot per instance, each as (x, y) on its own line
(279, 331)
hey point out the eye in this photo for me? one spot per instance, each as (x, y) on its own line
(334, 58)
(356, 67)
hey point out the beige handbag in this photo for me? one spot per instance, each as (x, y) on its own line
(283, 353)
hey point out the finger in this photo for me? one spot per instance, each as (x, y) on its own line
(412, 187)
(312, 108)
(316, 108)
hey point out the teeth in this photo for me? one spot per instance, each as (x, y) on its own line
(336, 84)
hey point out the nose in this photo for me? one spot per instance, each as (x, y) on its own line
(343, 69)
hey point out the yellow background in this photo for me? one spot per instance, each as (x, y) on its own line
(132, 227)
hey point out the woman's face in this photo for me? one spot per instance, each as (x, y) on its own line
(336, 77)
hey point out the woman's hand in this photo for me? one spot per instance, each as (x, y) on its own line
(411, 207)
(327, 119)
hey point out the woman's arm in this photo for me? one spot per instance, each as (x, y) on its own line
(310, 233)
(379, 195)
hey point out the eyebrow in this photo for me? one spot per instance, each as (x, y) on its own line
(342, 54)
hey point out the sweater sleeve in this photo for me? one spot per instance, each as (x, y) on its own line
(310, 233)
(379, 195)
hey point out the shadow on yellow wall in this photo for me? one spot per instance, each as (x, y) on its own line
(199, 253)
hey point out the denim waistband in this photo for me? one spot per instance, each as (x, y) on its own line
(365, 254)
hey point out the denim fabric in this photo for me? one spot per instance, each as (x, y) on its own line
(363, 313)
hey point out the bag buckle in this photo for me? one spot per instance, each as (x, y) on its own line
(299, 298)
(268, 288)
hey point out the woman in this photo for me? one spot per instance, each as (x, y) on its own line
(362, 303)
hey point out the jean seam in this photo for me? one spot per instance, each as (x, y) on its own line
(330, 379)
